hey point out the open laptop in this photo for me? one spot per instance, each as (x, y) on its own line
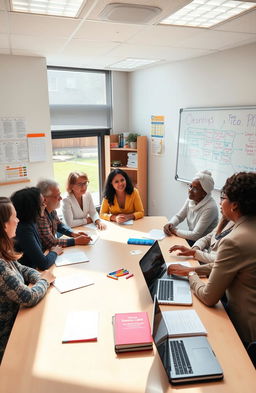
(185, 359)
(168, 290)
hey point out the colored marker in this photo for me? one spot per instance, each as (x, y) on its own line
(122, 274)
(113, 277)
(129, 276)
(116, 272)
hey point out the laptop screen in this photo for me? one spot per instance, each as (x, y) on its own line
(160, 336)
(153, 267)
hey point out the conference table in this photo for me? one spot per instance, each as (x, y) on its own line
(36, 361)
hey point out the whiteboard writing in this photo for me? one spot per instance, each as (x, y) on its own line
(221, 140)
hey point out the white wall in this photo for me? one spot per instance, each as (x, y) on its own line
(24, 92)
(120, 102)
(223, 79)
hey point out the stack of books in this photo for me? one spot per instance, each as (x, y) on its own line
(132, 332)
(132, 161)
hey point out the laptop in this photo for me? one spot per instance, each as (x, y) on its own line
(168, 290)
(185, 359)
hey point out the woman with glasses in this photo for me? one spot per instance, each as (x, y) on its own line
(78, 207)
(200, 210)
(234, 270)
(121, 200)
(29, 205)
(19, 285)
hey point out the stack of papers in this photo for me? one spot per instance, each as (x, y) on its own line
(69, 283)
(81, 326)
(68, 258)
(155, 234)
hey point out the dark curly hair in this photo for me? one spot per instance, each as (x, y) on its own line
(6, 244)
(109, 192)
(241, 188)
(27, 204)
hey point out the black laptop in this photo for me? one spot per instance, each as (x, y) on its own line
(167, 289)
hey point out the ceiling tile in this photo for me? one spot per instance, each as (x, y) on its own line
(163, 35)
(40, 46)
(96, 31)
(212, 39)
(26, 24)
(3, 22)
(88, 48)
(246, 23)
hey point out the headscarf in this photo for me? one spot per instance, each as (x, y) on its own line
(206, 180)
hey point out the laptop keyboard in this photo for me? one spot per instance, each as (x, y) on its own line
(181, 361)
(165, 290)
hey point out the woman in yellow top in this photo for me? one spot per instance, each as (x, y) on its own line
(121, 200)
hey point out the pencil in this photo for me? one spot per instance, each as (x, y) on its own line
(113, 277)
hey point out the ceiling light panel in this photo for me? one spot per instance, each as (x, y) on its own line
(68, 8)
(207, 13)
(132, 63)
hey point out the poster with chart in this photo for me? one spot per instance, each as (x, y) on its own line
(157, 135)
(221, 140)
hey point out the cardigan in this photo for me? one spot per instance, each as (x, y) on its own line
(201, 218)
(14, 293)
(133, 205)
(48, 226)
(233, 272)
(206, 247)
(28, 242)
(72, 212)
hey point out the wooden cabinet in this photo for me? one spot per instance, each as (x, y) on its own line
(139, 175)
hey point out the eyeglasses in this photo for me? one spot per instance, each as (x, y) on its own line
(84, 184)
(192, 188)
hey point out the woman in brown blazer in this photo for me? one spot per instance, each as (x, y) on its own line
(234, 270)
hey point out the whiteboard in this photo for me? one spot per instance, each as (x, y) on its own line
(221, 140)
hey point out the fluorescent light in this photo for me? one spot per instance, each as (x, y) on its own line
(68, 8)
(130, 64)
(207, 13)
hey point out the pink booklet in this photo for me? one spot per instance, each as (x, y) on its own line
(132, 332)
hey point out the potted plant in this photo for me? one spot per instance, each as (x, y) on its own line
(132, 140)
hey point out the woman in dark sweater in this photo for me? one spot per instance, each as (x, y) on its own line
(29, 204)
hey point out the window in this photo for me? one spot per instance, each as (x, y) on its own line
(80, 109)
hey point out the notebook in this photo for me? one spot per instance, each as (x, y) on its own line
(71, 282)
(71, 258)
(81, 326)
(169, 290)
(185, 359)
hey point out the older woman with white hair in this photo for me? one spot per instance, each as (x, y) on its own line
(200, 210)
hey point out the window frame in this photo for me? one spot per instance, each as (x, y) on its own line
(67, 132)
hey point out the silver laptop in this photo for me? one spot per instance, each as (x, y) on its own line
(185, 359)
(168, 290)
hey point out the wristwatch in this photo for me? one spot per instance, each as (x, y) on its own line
(191, 274)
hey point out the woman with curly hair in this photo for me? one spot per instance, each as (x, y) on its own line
(121, 200)
(19, 285)
(234, 270)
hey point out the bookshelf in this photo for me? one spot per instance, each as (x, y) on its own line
(138, 175)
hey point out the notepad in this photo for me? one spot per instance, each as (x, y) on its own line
(71, 258)
(94, 237)
(81, 326)
(129, 222)
(184, 323)
(71, 282)
(155, 234)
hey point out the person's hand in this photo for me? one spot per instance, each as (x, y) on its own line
(57, 249)
(168, 229)
(88, 220)
(179, 270)
(77, 234)
(48, 276)
(100, 225)
(82, 240)
(120, 218)
(185, 251)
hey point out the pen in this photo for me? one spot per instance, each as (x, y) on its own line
(122, 274)
(113, 277)
(129, 276)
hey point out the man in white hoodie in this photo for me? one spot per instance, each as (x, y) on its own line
(200, 210)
